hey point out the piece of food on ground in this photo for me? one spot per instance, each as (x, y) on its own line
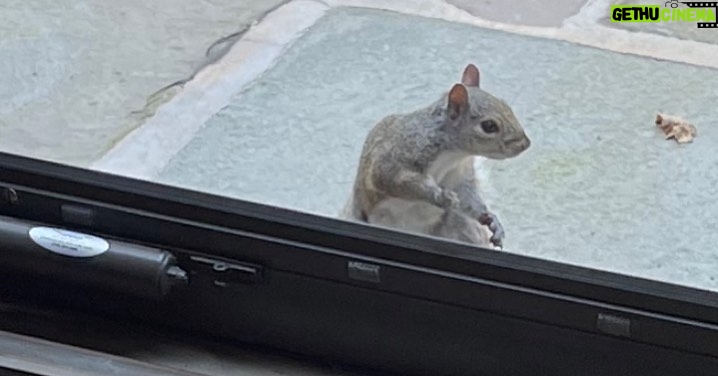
(676, 127)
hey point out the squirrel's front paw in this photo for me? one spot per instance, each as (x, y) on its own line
(448, 199)
(490, 220)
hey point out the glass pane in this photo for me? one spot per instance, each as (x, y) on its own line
(188, 94)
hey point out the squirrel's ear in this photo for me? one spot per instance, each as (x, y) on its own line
(458, 100)
(471, 76)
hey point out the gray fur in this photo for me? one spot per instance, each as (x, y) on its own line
(416, 171)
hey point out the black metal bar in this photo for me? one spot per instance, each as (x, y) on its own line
(33, 356)
(62, 255)
(125, 194)
(330, 288)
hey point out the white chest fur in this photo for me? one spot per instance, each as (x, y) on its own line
(446, 168)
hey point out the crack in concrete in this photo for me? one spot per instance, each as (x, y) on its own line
(147, 148)
(157, 98)
(278, 29)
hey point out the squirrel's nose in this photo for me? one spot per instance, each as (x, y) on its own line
(519, 145)
(524, 143)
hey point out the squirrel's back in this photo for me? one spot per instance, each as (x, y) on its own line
(391, 143)
(370, 149)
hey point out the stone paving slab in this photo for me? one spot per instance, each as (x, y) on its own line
(681, 30)
(598, 188)
(74, 72)
(523, 12)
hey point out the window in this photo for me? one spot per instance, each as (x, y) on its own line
(282, 117)
(271, 102)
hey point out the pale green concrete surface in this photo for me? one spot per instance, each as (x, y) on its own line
(600, 187)
(76, 75)
(522, 12)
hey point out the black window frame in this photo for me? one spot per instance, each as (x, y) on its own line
(679, 319)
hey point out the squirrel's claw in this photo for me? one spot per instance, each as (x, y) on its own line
(490, 220)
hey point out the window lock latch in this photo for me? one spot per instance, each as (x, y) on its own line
(225, 272)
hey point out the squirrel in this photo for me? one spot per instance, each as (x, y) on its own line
(416, 171)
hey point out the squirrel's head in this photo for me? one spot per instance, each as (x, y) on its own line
(484, 125)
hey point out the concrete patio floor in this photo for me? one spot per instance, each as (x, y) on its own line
(596, 188)
(77, 75)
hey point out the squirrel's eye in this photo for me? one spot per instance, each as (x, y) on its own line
(489, 126)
